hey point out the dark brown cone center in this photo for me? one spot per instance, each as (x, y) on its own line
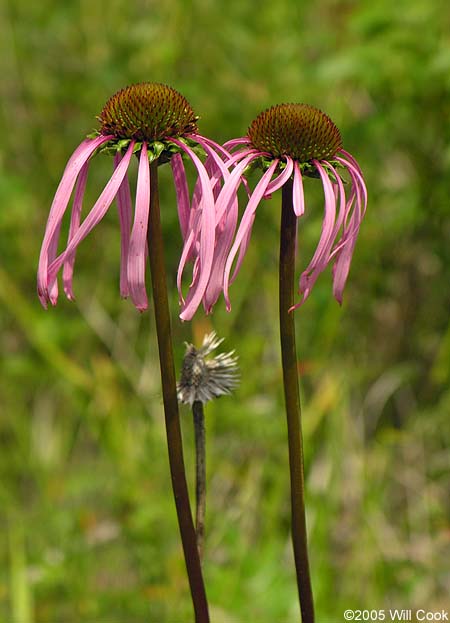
(297, 130)
(147, 112)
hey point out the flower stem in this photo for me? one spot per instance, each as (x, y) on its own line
(200, 473)
(172, 418)
(292, 400)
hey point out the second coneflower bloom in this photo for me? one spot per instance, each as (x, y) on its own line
(155, 122)
(289, 142)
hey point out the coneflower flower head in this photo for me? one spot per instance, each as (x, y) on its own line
(204, 378)
(155, 122)
(290, 141)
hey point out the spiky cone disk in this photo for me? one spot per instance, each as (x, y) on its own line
(297, 130)
(148, 111)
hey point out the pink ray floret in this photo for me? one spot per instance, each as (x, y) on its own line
(343, 210)
(138, 239)
(207, 235)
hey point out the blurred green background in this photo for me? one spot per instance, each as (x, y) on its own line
(88, 529)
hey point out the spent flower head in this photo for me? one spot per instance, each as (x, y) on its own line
(156, 123)
(203, 377)
(290, 142)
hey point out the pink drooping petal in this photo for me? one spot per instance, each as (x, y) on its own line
(228, 192)
(246, 225)
(241, 154)
(215, 175)
(207, 236)
(216, 167)
(197, 196)
(225, 229)
(195, 276)
(274, 185)
(95, 215)
(190, 253)
(348, 225)
(226, 219)
(216, 171)
(357, 201)
(186, 255)
(48, 292)
(345, 251)
(354, 168)
(224, 241)
(341, 269)
(138, 239)
(352, 161)
(354, 204)
(343, 214)
(338, 189)
(321, 256)
(244, 140)
(298, 197)
(211, 146)
(246, 237)
(182, 193)
(281, 180)
(243, 249)
(232, 159)
(329, 219)
(124, 209)
(192, 292)
(74, 225)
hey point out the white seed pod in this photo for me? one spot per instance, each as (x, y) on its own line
(203, 379)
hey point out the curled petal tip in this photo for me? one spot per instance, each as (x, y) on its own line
(69, 293)
(43, 300)
(185, 315)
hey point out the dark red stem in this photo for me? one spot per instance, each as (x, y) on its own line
(172, 418)
(292, 401)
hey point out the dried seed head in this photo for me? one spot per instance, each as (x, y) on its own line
(147, 112)
(297, 130)
(203, 379)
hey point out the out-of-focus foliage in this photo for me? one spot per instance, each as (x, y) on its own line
(88, 525)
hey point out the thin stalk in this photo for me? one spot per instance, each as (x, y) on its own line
(292, 401)
(200, 473)
(172, 418)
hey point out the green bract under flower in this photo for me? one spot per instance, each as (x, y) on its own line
(297, 130)
(147, 112)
